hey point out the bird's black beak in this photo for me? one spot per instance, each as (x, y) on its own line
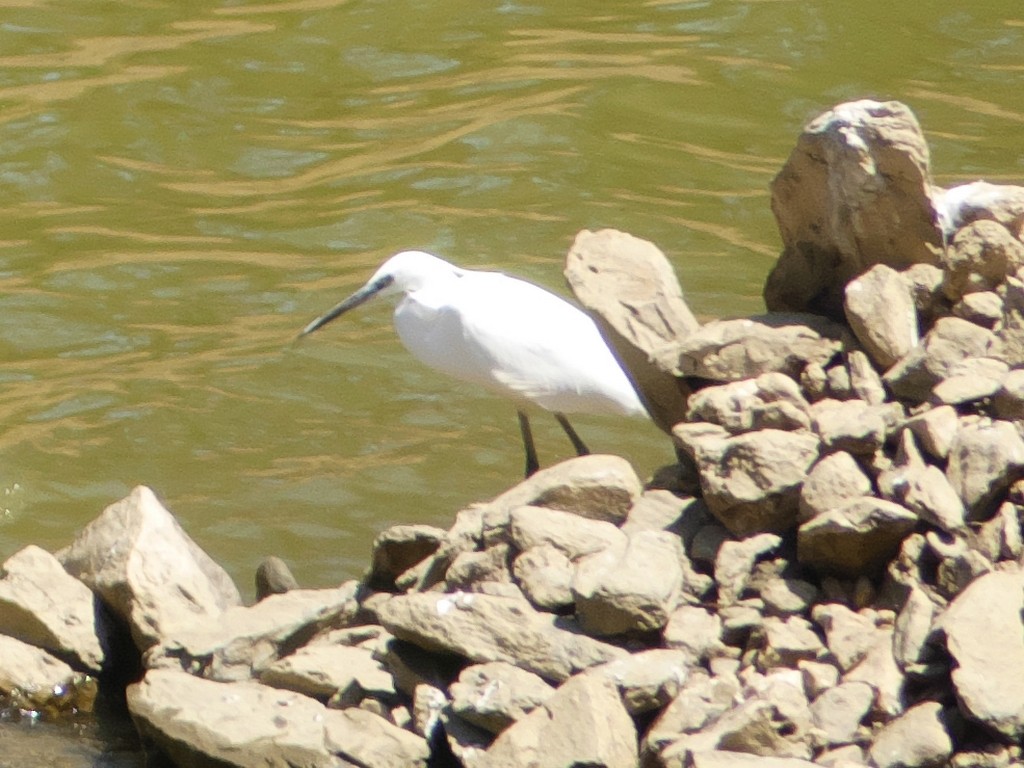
(361, 296)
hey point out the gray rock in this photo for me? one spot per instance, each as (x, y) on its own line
(42, 605)
(733, 350)
(199, 722)
(735, 563)
(854, 192)
(32, 679)
(916, 739)
(880, 309)
(859, 537)
(817, 677)
(982, 255)
(853, 426)
(495, 695)
(970, 380)
(695, 630)
(398, 549)
(838, 712)
(849, 635)
(246, 640)
(985, 308)
(922, 488)
(771, 401)
(752, 482)
(985, 457)
(147, 570)
(597, 487)
(273, 577)
(935, 430)
(647, 680)
(545, 574)
(324, 670)
(833, 480)
(985, 637)
(614, 591)
(627, 285)
(787, 642)
(484, 628)
(583, 723)
(865, 382)
(948, 342)
(570, 534)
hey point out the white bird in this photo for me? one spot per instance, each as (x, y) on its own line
(510, 336)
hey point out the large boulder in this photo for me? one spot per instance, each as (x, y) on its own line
(148, 571)
(856, 191)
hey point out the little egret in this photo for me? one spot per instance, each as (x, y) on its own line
(510, 336)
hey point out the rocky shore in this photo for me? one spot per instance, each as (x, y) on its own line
(832, 574)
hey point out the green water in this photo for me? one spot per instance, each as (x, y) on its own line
(185, 184)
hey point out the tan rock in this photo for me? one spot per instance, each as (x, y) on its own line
(545, 574)
(772, 400)
(950, 341)
(985, 457)
(570, 534)
(981, 255)
(398, 549)
(495, 695)
(859, 537)
(834, 479)
(918, 738)
(880, 309)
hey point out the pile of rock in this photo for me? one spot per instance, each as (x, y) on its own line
(833, 573)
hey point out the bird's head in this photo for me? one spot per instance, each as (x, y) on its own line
(403, 273)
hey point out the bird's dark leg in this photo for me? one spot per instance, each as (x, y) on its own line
(579, 445)
(532, 465)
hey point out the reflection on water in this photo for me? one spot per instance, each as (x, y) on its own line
(184, 186)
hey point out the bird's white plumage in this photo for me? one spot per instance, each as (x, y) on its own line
(510, 336)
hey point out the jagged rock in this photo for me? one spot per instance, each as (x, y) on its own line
(484, 628)
(849, 635)
(984, 308)
(912, 629)
(695, 630)
(583, 723)
(472, 569)
(1009, 400)
(865, 381)
(627, 285)
(975, 378)
(147, 570)
(1010, 333)
(324, 670)
(985, 457)
(597, 487)
(647, 680)
(42, 605)
(922, 488)
(614, 591)
(935, 430)
(880, 309)
(201, 722)
(246, 640)
(493, 696)
(879, 669)
(723, 758)
(32, 679)
(837, 713)
(735, 562)
(854, 192)
(545, 574)
(733, 350)
(982, 255)
(771, 719)
(570, 534)
(916, 739)
(787, 642)
(701, 701)
(833, 480)
(429, 704)
(861, 536)
(1001, 537)
(948, 342)
(925, 284)
(849, 425)
(817, 677)
(662, 510)
(787, 597)
(273, 577)
(751, 482)
(771, 401)
(398, 549)
(985, 637)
